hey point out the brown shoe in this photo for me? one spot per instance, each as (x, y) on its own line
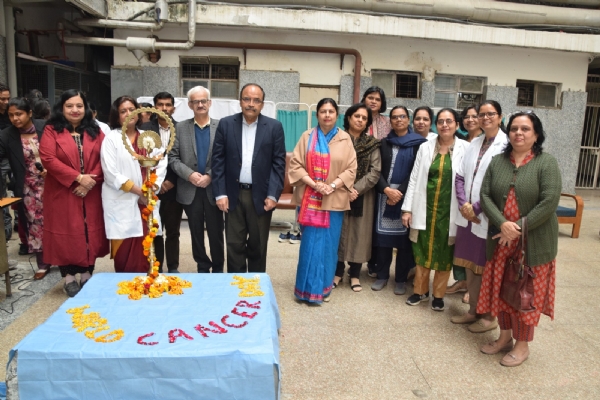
(511, 360)
(463, 319)
(480, 327)
(494, 348)
(457, 287)
(40, 274)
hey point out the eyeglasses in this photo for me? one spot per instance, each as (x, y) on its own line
(201, 101)
(468, 117)
(487, 114)
(445, 121)
(401, 117)
(252, 101)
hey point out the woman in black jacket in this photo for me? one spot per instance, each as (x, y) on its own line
(20, 143)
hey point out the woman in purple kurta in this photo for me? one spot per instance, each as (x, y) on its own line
(472, 224)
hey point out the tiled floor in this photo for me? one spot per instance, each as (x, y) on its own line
(370, 345)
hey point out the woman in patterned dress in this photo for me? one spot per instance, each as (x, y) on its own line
(74, 234)
(427, 207)
(521, 182)
(355, 240)
(472, 224)
(20, 144)
(374, 98)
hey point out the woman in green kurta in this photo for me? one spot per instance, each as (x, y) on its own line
(432, 250)
(429, 209)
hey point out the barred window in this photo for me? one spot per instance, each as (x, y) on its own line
(220, 75)
(457, 92)
(398, 84)
(538, 94)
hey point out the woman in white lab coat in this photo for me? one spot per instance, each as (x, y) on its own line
(122, 196)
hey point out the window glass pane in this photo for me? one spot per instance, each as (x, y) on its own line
(525, 96)
(227, 90)
(445, 100)
(471, 85)
(467, 99)
(194, 71)
(188, 84)
(219, 71)
(407, 86)
(384, 81)
(445, 83)
(546, 95)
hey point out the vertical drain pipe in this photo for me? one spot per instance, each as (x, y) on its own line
(11, 52)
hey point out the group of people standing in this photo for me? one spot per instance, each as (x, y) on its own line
(84, 192)
(444, 201)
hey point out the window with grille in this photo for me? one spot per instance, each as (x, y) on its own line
(220, 75)
(538, 94)
(457, 92)
(398, 84)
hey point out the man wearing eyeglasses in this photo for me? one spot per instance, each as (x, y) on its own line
(248, 168)
(191, 159)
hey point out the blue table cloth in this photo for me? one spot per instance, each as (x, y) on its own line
(57, 362)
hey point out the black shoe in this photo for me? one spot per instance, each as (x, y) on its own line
(23, 249)
(415, 299)
(437, 304)
(71, 289)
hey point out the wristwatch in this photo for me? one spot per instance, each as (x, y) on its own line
(333, 186)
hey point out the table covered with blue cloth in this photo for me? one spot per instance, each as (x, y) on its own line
(208, 343)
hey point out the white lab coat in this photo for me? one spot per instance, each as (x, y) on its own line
(466, 170)
(122, 217)
(415, 200)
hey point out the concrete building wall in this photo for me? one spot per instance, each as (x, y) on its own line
(282, 72)
(501, 65)
(278, 86)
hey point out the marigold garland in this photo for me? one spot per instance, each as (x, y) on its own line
(95, 323)
(153, 285)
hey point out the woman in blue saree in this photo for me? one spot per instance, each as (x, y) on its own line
(322, 169)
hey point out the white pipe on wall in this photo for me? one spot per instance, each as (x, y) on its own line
(133, 44)
(471, 10)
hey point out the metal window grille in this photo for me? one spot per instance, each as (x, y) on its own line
(588, 171)
(218, 74)
(457, 91)
(407, 86)
(525, 96)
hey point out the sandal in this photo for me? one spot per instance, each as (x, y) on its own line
(356, 287)
(339, 282)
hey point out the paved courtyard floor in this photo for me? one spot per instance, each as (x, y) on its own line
(370, 345)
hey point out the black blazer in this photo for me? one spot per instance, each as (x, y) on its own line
(171, 176)
(268, 160)
(12, 148)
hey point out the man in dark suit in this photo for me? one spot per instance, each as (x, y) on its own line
(248, 168)
(170, 210)
(190, 158)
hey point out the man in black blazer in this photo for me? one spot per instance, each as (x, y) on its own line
(248, 166)
(170, 210)
(190, 158)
